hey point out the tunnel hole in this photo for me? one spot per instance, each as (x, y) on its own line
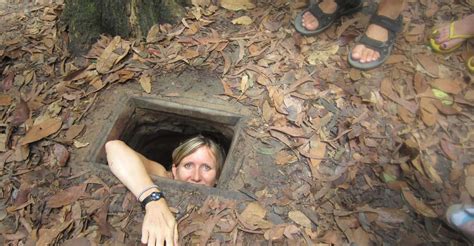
(154, 128)
(156, 135)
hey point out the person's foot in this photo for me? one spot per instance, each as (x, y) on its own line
(462, 27)
(365, 54)
(310, 22)
(461, 218)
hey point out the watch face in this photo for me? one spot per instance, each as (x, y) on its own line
(155, 195)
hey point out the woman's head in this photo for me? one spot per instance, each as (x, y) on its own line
(198, 160)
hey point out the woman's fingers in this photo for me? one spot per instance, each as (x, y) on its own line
(144, 236)
(152, 240)
(169, 238)
(176, 238)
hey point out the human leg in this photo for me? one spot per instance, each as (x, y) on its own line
(318, 17)
(363, 53)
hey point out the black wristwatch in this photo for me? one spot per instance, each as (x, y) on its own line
(154, 196)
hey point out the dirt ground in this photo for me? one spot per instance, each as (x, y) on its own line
(327, 154)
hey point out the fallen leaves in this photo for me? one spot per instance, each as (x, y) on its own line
(67, 196)
(243, 20)
(428, 111)
(5, 100)
(236, 5)
(419, 206)
(428, 64)
(145, 82)
(41, 130)
(469, 185)
(253, 215)
(447, 85)
(299, 218)
(113, 54)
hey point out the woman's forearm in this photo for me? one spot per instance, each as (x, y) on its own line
(128, 167)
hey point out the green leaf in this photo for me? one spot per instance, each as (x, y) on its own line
(445, 98)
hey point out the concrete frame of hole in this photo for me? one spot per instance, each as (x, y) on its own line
(121, 114)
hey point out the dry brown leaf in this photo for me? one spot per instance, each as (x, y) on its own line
(67, 196)
(49, 236)
(431, 10)
(392, 59)
(7, 82)
(470, 170)
(346, 24)
(355, 74)
(109, 58)
(145, 82)
(21, 113)
(428, 163)
(74, 131)
(154, 35)
(227, 62)
(243, 20)
(100, 217)
(417, 204)
(61, 154)
(406, 115)
(190, 53)
(236, 5)
(429, 64)
(447, 85)
(361, 237)
(5, 100)
(283, 157)
(290, 230)
(244, 83)
(449, 149)
(469, 94)
(291, 131)
(429, 112)
(267, 111)
(253, 214)
(275, 233)
(469, 184)
(387, 90)
(41, 130)
(299, 218)
(79, 144)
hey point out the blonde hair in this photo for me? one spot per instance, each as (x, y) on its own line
(191, 145)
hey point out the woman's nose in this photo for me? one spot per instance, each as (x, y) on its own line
(196, 177)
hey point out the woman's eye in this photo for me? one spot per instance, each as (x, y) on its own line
(207, 168)
(187, 165)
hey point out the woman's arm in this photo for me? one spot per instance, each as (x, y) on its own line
(159, 225)
(154, 168)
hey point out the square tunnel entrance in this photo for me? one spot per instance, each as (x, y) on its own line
(155, 128)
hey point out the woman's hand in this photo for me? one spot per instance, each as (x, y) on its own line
(159, 225)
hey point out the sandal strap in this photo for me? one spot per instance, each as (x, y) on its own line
(453, 35)
(379, 46)
(391, 25)
(323, 18)
(343, 6)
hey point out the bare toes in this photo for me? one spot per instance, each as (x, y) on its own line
(357, 52)
(365, 55)
(451, 43)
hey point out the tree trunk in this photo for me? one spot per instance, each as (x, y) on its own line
(85, 20)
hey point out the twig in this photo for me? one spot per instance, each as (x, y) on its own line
(87, 109)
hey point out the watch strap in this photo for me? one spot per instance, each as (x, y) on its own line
(154, 196)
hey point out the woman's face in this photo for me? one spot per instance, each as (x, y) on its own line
(198, 168)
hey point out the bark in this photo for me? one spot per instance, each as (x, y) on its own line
(86, 20)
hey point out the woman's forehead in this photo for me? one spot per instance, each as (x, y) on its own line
(202, 154)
